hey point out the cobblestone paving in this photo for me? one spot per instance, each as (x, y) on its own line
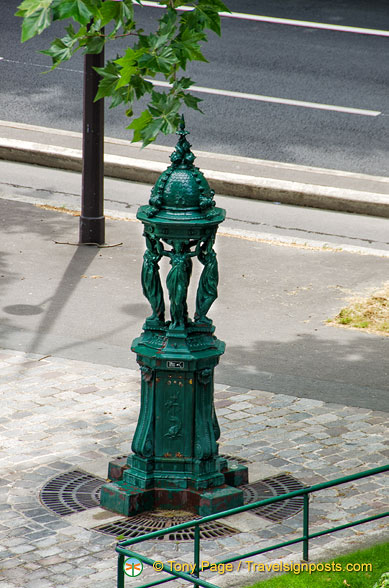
(58, 415)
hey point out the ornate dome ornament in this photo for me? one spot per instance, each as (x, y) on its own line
(180, 223)
(181, 187)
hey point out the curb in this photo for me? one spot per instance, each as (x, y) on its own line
(223, 182)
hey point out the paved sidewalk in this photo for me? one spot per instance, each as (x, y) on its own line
(227, 174)
(60, 414)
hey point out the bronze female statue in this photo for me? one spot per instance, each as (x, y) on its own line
(207, 288)
(177, 283)
(151, 282)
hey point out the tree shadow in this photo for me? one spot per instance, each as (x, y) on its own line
(27, 232)
(19, 217)
(77, 266)
(17, 222)
(20, 223)
(6, 277)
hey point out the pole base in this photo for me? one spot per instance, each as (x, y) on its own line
(128, 500)
(92, 230)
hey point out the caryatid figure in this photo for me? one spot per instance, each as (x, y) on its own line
(207, 288)
(177, 283)
(151, 282)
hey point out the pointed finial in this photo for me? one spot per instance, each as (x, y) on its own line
(182, 155)
(182, 130)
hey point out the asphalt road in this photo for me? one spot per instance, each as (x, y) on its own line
(296, 63)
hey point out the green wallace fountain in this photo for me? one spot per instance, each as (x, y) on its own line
(175, 462)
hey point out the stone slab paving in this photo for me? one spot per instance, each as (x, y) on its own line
(58, 415)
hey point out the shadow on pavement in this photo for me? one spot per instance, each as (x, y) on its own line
(78, 265)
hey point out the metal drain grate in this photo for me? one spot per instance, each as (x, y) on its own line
(76, 491)
(270, 487)
(155, 521)
(71, 492)
(241, 460)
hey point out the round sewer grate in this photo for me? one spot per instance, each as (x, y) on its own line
(155, 521)
(71, 492)
(76, 491)
(274, 486)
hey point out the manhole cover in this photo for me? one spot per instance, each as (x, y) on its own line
(281, 484)
(71, 492)
(155, 521)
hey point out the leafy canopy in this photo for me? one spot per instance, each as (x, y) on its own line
(163, 53)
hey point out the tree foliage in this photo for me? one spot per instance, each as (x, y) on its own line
(164, 53)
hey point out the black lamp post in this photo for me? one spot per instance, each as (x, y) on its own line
(92, 221)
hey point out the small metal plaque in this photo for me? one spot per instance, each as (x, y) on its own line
(177, 365)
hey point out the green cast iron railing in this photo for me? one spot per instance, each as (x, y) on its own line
(195, 577)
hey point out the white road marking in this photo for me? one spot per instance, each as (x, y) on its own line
(272, 99)
(41, 65)
(286, 21)
(242, 95)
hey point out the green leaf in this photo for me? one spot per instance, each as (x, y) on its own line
(162, 62)
(129, 65)
(182, 84)
(160, 102)
(178, 88)
(155, 42)
(76, 9)
(187, 48)
(109, 78)
(125, 76)
(28, 7)
(205, 16)
(140, 86)
(216, 5)
(211, 18)
(167, 24)
(119, 12)
(123, 95)
(140, 123)
(166, 107)
(110, 75)
(149, 134)
(63, 49)
(129, 58)
(94, 44)
(176, 3)
(35, 24)
(161, 116)
(192, 101)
